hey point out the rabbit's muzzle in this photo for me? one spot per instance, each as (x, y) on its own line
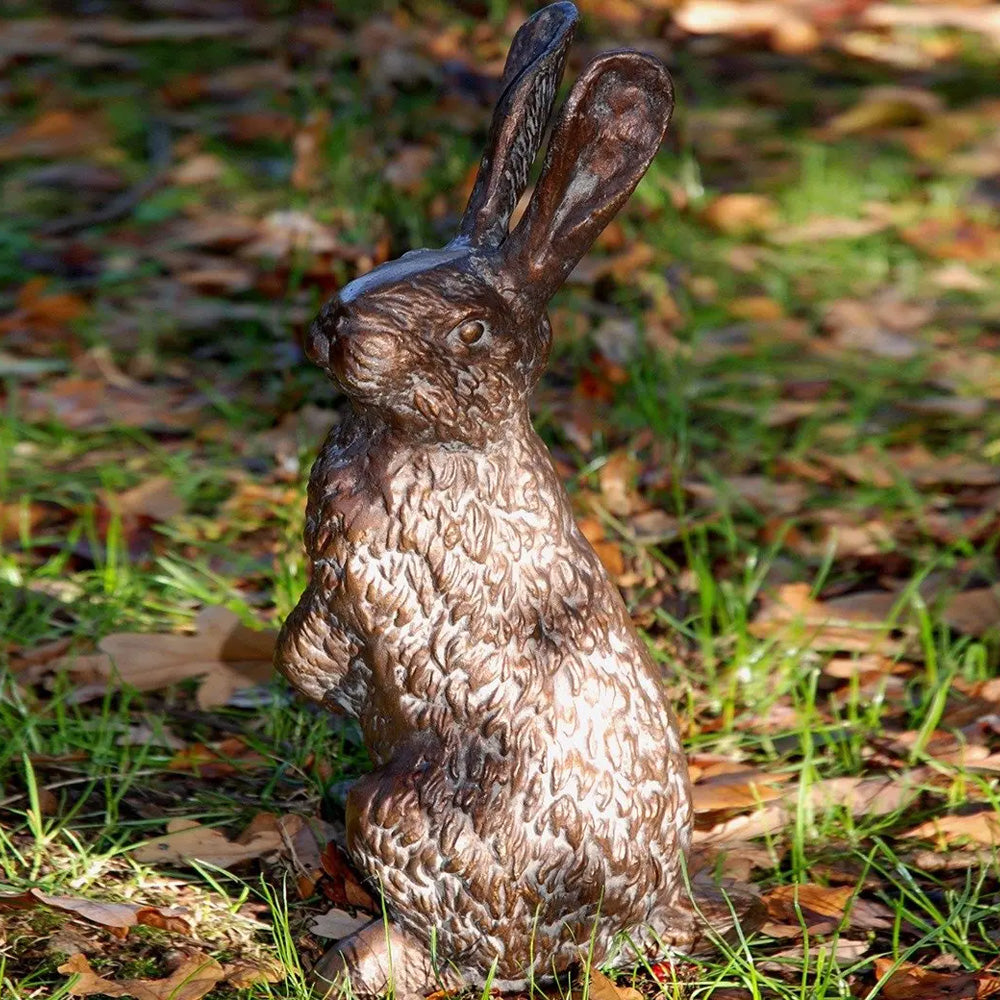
(359, 355)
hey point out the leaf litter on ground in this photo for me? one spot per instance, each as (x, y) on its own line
(810, 276)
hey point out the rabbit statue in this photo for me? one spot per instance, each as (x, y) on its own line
(530, 804)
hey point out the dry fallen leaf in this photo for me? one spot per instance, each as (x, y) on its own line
(88, 982)
(906, 981)
(305, 848)
(220, 232)
(608, 551)
(341, 886)
(202, 168)
(927, 470)
(763, 493)
(191, 980)
(52, 136)
(623, 266)
(886, 107)
(71, 939)
(864, 665)
(617, 479)
(337, 924)
(187, 840)
(982, 18)
(219, 760)
(217, 278)
(787, 30)
(892, 52)
(653, 527)
(855, 325)
(738, 790)
(117, 917)
(839, 949)
(602, 988)
(957, 830)
(819, 910)
(43, 313)
(861, 796)
(756, 308)
(735, 860)
(242, 973)
(958, 237)
(309, 150)
(226, 654)
(407, 170)
(958, 277)
(973, 612)
(858, 622)
(826, 227)
(282, 234)
(155, 498)
(936, 861)
(740, 213)
(90, 403)
(866, 465)
(20, 518)
(825, 901)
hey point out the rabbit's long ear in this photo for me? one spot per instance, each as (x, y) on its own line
(605, 137)
(529, 83)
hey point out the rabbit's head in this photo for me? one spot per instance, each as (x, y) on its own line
(446, 344)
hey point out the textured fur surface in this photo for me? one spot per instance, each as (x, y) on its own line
(530, 800)
(531, 783)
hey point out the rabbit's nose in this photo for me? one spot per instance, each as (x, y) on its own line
(327, 328)
(317, 344)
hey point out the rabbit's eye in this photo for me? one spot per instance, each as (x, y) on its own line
(471, 330)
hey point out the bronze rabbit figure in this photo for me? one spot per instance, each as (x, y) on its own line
(530, 803)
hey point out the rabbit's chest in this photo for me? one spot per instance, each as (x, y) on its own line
(464, 581)
(447, 566)
(453, 538)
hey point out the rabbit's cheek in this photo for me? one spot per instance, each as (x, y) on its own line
(364, 361)
(336, 359)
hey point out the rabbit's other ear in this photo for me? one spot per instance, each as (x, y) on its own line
(604, 139)
(529, 83)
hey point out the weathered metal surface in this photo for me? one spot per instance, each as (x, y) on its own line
(530, 800)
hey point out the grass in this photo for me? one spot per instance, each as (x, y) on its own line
(83, 781)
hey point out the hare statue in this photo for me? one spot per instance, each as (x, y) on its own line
(530, 804)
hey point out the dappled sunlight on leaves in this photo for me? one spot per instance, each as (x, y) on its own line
(773, 396)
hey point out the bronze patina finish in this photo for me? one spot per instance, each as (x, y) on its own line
(530, 800)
